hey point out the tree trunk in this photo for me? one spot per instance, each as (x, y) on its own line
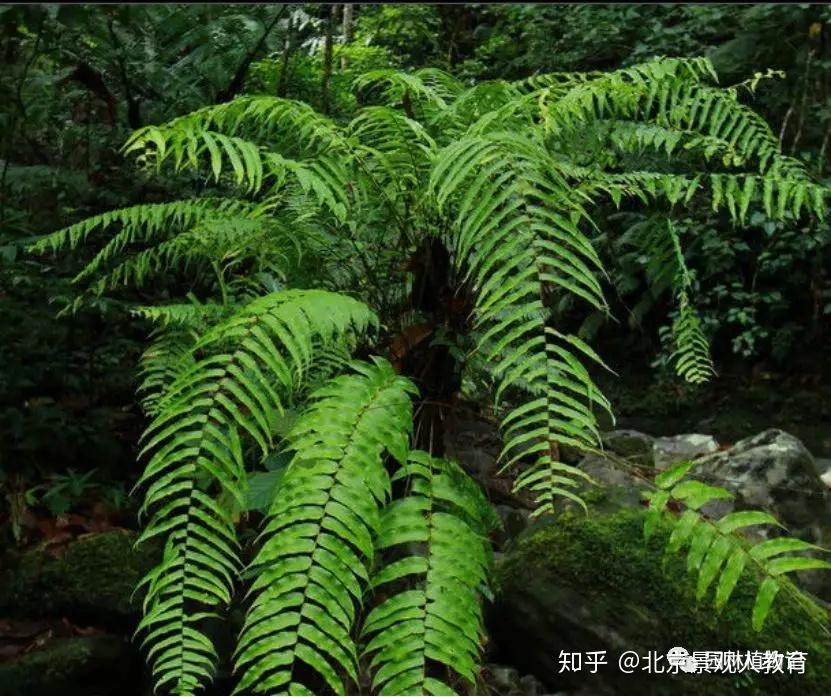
(238, 79)
(347, 33)
(327, 60)
(432, 365)
(284, 60)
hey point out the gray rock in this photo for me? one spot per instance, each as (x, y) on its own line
(498, 679)
(514, 521)
(773, 471)
(633, 445)
(823, 465)
(584, 584)
(473, 443)
(92, 579)
(688, 446)
(617, 488)
(74, 665)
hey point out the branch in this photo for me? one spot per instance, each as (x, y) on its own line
(239, 76)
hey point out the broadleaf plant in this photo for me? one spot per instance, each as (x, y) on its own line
(438, 211)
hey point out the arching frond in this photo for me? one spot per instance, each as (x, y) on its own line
(401, 145)
(290, 127)
(422, 637)
(170, 351)
(145, 222)
(319, 536)
(246, 368)
(516, 239)
(666, 268)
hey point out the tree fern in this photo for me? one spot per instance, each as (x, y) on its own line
(505, 176)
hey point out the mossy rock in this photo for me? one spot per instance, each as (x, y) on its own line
(74, 665)
(92, 580)
(592, 584)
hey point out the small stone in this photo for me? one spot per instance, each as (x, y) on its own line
(823, 467)
(773, 471)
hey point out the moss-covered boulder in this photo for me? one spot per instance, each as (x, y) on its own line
(74, 665)
(592, 584)
(92, 580)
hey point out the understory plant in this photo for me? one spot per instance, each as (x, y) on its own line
(336, 281)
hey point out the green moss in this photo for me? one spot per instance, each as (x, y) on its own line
(81, 665)
(94, 577)
(607, 560)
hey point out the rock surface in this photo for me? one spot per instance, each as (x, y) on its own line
(633, 445)
(89, 665)
(496, 679)
(474, 443)
(772, 471)
(91, 580)
(688, 446)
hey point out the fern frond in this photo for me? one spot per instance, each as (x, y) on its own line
(252, 362)
(212, 241)
(400, 144)
(516, 240)
(171, 347)
(430, 89)
(145, 222)
(284, 125)
(422, 634)
(667, 268)
(717, 554)
(313, 565)
(692, 349)
(474, 104)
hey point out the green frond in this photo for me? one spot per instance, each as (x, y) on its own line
(285, 125)
(692, 349)
(145, 222)
(718, 554)
(401, 145)
(517, 241)
(211, 241)
(665, 269)
(313, 565)
(244, 369)
(426, 634)
(193, 315)
(473, 104)
(170, 351)
(428, 89)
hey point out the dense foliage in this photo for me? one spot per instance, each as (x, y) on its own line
(336, 226)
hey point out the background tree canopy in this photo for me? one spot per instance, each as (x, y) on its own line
(130, 107)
